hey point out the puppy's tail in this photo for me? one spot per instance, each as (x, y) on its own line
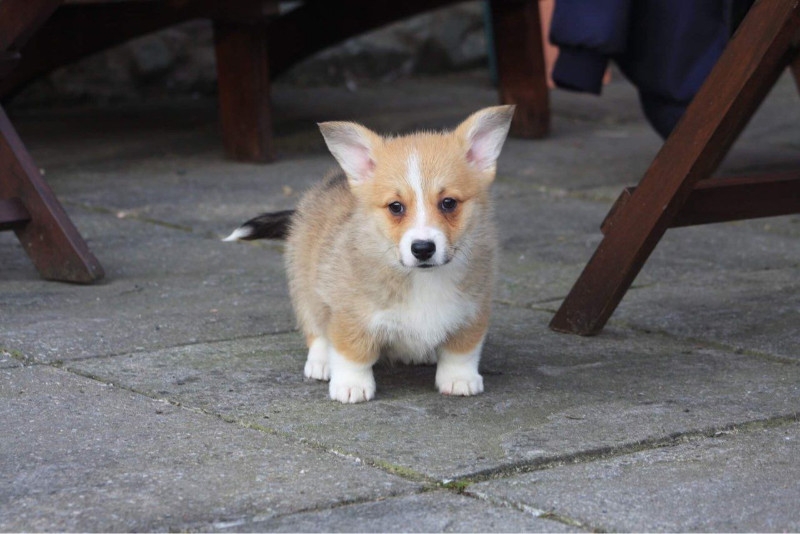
(265, 226)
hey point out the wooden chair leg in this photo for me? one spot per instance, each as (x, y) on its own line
(29, 208)
(521, 70)
(750, 65)
(244, 91)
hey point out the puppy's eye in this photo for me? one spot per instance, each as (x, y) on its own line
(448, 205)
(396, 208)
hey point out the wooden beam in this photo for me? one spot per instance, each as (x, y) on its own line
(13, 214)
(728, 199)
(77, 30)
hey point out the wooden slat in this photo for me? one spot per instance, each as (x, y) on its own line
(757, 54)
(13, 214)
(728, 199)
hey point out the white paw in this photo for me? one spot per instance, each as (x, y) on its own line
(461, 386)
(317, 362)
(457, 374)
(352, 393)
(317, 370)
(350, 382)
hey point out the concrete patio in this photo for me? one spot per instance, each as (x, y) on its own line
(170, 396)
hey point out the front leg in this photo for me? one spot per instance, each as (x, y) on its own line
(351, 357)
(317, 365)
(457, 368)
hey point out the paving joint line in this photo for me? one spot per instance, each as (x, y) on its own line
(534, 306)
(535, 512)
(122, 215)
(614, 451)
(765, 356)
(717, 345)
(32, 361)
(584, 457)
(396, 470)
(257, 518)
(133, 216)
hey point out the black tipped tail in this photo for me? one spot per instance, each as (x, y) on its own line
(265, 226)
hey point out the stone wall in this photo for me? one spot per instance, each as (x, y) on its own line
(180, 61)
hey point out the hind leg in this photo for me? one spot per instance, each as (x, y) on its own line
(317, 363)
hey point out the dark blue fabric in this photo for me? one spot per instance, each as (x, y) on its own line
(664, 47)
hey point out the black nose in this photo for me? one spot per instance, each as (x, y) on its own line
(423, 250)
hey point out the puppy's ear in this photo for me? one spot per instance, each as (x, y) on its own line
(484, 133)
(353, 147)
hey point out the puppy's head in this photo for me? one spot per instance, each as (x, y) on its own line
(424, 190)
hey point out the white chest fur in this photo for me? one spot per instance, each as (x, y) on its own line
(432, 309)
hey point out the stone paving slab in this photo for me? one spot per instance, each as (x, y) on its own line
(164, 287)
(79, 455)
(547, 395)
(739, 481)
(749, 311)
(431, 512)
(194, 192)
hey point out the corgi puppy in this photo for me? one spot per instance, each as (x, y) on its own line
(396, 255)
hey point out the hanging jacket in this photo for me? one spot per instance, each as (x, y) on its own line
(666, 48)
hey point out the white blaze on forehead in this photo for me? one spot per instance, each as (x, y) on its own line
(414, 177)
(423, 229)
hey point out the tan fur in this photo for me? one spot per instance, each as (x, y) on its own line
(345, 273)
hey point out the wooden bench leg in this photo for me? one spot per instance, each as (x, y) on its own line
(244, 91)
(32, 211)
(521, 70)
(756, 56)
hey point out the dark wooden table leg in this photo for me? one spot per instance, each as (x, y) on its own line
(19, 19)
(750, 65)
(49, 237)
(521, 68)
(244, 91)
